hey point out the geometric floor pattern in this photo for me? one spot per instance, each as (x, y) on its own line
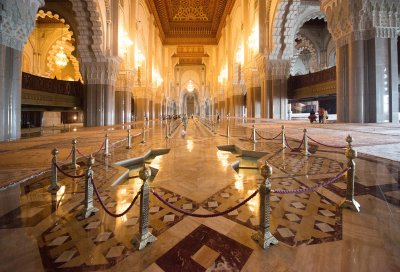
(306, 218)
(205, 250)
(101, 241)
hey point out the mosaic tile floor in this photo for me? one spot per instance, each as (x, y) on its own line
(313, 232)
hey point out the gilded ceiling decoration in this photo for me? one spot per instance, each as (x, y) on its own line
(190, 10)
(190, 21)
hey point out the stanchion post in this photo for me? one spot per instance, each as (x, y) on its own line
(88, 209)
(351, 154)
(144, 236)
(254, 134)
(143, 136)
(74, 165)
(283, 137)
(129, 140)
(106, 146)
(264, 236)
(305, 142)
(54, 186)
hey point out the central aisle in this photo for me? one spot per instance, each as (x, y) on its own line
(179, 170)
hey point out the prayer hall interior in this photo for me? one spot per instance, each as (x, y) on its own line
(199, 135)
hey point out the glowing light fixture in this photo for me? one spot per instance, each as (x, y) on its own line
(223, 75)
(253, 38)
(139, 57)
(124, 42)
(190, 86)
(157, 79)
(61, 58)
(240, 55)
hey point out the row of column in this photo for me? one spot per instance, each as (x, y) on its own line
(17, 20)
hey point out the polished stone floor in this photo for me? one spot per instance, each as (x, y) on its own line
(206, 173)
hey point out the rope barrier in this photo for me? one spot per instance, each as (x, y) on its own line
(105, 208)
(204, 215)
(66, 174)
(312, 188)
(269, 139)
(116, 143)
(325, 144)
(70, 153)
(86, 156)
(294, 149)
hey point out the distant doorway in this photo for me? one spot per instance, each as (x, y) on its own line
(190, 105)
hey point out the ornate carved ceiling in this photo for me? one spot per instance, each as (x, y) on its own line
(190, 21)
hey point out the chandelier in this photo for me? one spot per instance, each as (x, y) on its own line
(61, 58)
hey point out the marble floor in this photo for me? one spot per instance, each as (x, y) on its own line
(205, 173)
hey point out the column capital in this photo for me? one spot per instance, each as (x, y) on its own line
(101, 72)
(17, 19)
(125, 80)
(361, 20)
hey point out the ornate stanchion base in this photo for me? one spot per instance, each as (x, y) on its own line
(264, 240)
(141, 241)
(86, 212)
(351, 204)
(53, 188)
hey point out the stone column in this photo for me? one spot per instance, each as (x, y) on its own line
(123, 97)
(275, 89)
(367, 68)
(17, 19)
(100, 99)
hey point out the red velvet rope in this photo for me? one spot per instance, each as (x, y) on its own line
(66, 159)
(204, 215)
(294, 149)
(86, 156)
(269, 139)
(105, 208)
(312, 188)
(333, 146)
(68, 175)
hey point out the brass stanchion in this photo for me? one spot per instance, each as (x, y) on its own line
(144, 236)
(106, 146)
(129, 140)
(305, 142)
(351, 154)
(89, 208)
(264, 237)
(54, 186)
(283, 137)
(254, 134)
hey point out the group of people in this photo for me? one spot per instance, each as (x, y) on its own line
(322, 116)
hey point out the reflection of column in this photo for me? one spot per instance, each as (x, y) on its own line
(14, 32)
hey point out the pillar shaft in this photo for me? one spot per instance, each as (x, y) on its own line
(356, 82)
(10, 93)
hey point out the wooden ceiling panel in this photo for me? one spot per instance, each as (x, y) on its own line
(190, 21)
